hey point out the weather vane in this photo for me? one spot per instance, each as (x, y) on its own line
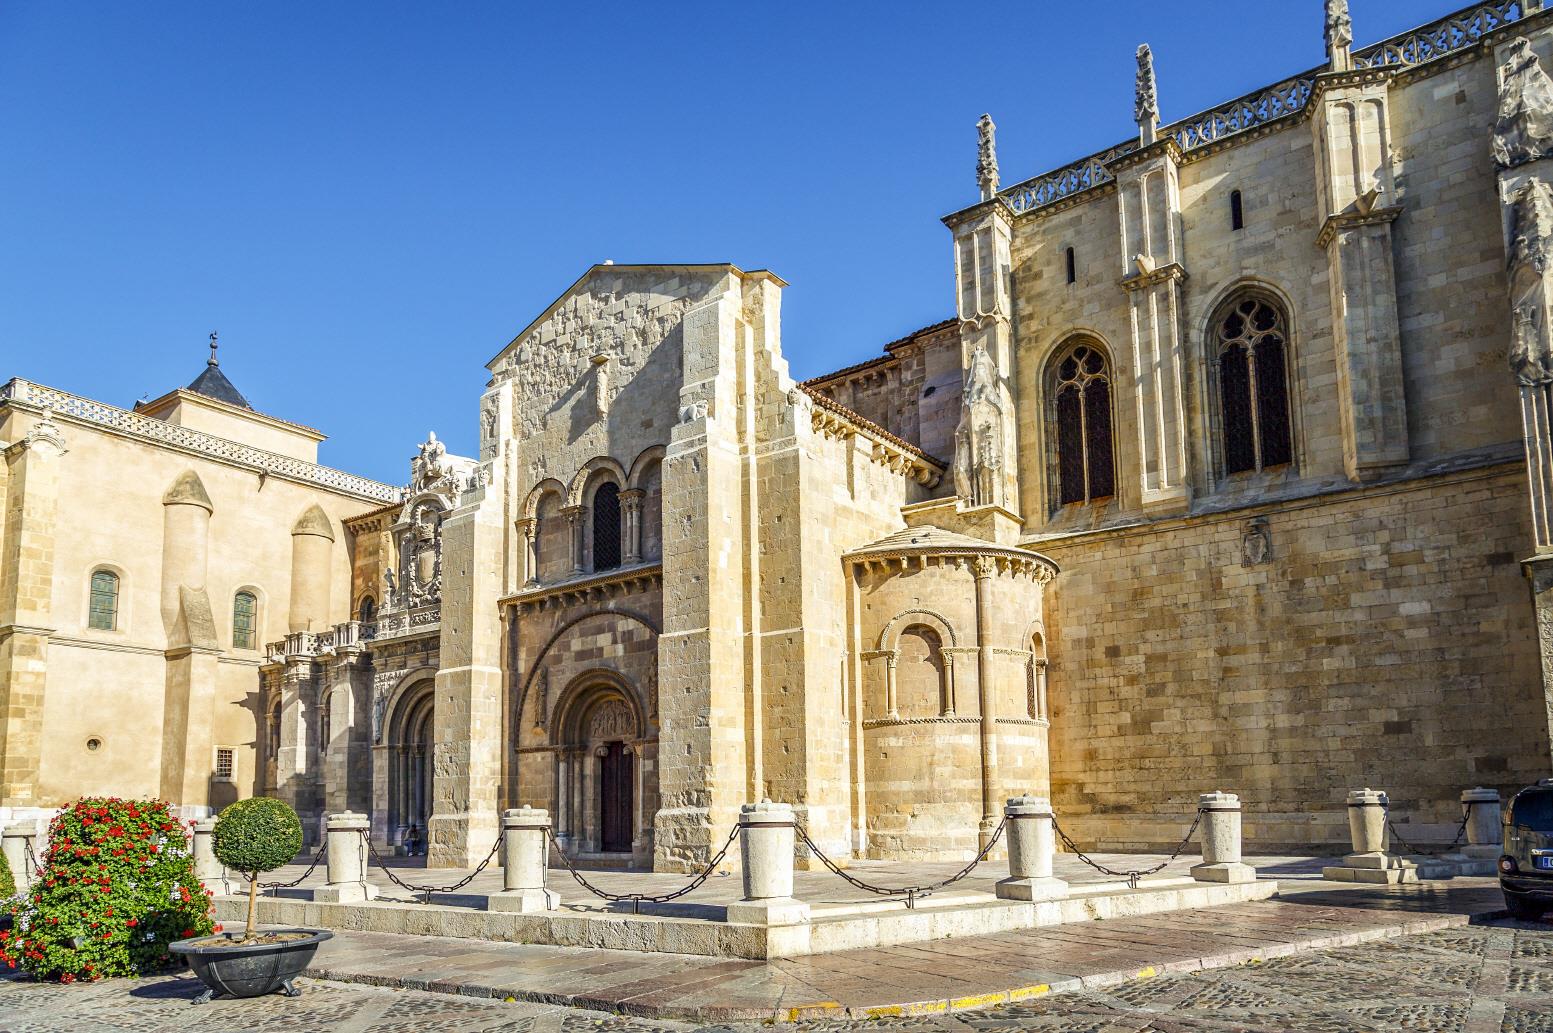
(213, 361)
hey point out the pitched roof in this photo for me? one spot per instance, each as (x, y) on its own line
(213, 383)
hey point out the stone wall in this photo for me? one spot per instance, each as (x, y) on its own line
(1385, 640)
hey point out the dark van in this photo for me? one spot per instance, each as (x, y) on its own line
(1526, 869)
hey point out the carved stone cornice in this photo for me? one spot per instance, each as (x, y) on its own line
(1172, 272)
(992, 206)
(1166, 147)
(590, 588)
(1335, 224)
(1325, 81)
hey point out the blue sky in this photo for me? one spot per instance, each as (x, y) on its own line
(369, 200)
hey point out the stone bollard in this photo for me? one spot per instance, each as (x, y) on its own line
(15, 841)
(525, 848)
(1220, 837)
(347, 883)
(207, 869)
(1485, 837)
(1369, 861)
(766, 847)
(1031, 843)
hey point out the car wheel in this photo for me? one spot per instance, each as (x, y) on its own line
(1521, 907)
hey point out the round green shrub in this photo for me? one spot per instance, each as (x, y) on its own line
(257, 835)
(7, 882)
(117, 887)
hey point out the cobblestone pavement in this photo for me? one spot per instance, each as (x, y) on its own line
(1495, 978)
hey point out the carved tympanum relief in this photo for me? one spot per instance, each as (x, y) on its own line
(612, 720)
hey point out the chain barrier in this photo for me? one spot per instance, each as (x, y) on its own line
(911, 893)
(638, 899)
(1133, 875)
(318, 856)
(32, 858)
(1461, 833)
(427, 891)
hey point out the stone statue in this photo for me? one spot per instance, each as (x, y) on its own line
(379, 712)
(1339, 32)
(1145, 106)
(1524, 130)
(393, 589)
(978, 440)
(431, 464)
(1531, 237)
(987, 157)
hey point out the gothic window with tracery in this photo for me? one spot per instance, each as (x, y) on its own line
(1253, 386)
(606, 526)
(1086, 468)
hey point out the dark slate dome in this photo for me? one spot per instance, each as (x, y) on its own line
(214, 384)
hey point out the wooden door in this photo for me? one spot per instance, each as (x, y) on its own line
(615, 778)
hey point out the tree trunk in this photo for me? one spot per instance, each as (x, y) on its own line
(253, 906)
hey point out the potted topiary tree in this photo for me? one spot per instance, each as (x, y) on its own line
(253, 836)
(116, 889)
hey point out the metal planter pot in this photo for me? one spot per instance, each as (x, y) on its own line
(250, 970)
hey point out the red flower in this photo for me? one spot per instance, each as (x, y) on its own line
(133, 922)
(67, 978)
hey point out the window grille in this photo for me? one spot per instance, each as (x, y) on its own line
(245, 609)
(226, 764)
(1086, 468)
(103, 612)
(606, 526)
(1253, 387)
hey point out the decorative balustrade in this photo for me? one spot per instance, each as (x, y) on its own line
(134, 425)
(309, 644)
(1454, 32)
(408, 622)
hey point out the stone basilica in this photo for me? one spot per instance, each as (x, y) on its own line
(1232, 468)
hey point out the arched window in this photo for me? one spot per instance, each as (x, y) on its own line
(367, 612)
(324, 731)
(272, 730)
(1253, 388)
(606, 526)
(1237, 211)
(103, 610)
(245, 614)
(1081, 392)
(1071, 265)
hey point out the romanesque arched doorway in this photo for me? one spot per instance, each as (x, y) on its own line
(410, 768)
(598, 770)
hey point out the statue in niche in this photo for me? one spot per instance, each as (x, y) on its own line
(1531, 227)
(379, 712)
(978, 440)
(1524, 130)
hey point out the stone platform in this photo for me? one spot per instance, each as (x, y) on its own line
(930, 978)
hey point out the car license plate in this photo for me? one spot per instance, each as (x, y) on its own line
(1543, 863)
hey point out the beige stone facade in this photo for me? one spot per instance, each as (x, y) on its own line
(1216, 479)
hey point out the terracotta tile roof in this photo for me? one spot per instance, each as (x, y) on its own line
(864, 423)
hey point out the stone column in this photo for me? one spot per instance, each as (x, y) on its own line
(891, 707)
(1522, 149)
(1485, 834)
(528, 527)
(312, 571)
(29, 488)
(631, 515)
(1356, 194)
(296, 761)
(1220, 836)
(1369, 861)
(188, 701)
(347, 861)
(207, 869)
(576, 535)
(19, 841)
(984, 568)
(525, 847)
(766, 848)
(1032, 842)
(1149, 209)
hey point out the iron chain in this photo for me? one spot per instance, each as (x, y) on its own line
(638, 899)
(911, 893)
(1461, 833)
(427, 891)
(1132, 876)
(323, 849)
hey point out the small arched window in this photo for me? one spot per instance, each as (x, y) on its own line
(367, 612)
(272, 730)
(324, 717)
(103, 608)
(245, 621)
(606, 526)
(1237, 211)
(1071, 261)
(1081, 389)
(1253, 387)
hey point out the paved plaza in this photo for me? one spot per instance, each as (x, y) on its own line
(1493, 978)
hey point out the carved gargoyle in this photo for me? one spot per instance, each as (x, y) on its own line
(1524, 130)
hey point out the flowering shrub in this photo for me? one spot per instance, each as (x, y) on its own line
(7, 881)
(117, 887)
